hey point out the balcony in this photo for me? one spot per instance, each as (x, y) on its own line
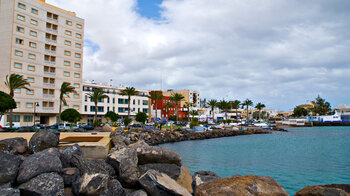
(50, 62)
(48, 108)
(52, 30)
(50, 73)
(52, 19)
(49, 84)
(48, 95)
(50, 40)
(50, 51)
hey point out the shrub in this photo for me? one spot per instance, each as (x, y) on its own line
(70, 115)
(194, 123)
(127, 121)
(112, 116)
(141, 117)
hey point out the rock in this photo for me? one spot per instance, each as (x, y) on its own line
(107, 128)
(185, 179)
(140, 143)
(92, 166)
(242, 185)
(153, 154)
(114, 188)
(43, 139)
(325, 190)
(124, 162)
(172, 170)
(200, 177)
(43, 184)
(38, 163)
(9, 165)
(67, 153)
(70, 176)
(9, 192)
(17, 145)
(6, 185)
(156, 183)
(93, 184)
(118, 140)
(138, 193)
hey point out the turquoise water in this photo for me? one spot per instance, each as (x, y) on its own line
(298, 158)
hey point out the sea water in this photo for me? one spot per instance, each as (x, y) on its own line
(297, 158)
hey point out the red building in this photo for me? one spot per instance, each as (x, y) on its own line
(164, 111)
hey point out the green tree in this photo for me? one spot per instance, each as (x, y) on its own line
(64, 90)
(176, 98)
(156, 96)
(129, 91)
(141, 117)
(188, 105)
(167, 107)
(300, 111)
(193, 113)
(15, 81)
(70, 115)
(224, 106)
(6, 103)
(127, 121)
(259, 106)
(235, 105)
(112, 116)
(321, 106)
(212, 104)
(96, 95)
(247, 103)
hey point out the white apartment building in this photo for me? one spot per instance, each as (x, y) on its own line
(43, 43)
(115, 102)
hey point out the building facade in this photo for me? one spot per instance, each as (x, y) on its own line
(190, 96)
(43, 43)
(115, 102)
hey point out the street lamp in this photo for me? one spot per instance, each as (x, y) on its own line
(36, 104)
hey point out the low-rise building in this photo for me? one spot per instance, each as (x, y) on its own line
(190, 96)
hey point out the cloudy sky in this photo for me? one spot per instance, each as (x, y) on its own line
(278, 52)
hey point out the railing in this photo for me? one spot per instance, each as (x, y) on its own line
(48, 108)
(50, 51)
(50, 62)
(50, 73)
(52, 19)
(49, 84)
(48, 95)
(52, 30)
(50, 40)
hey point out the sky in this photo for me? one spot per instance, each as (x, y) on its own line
(278, 52)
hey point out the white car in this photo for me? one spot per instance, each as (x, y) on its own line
(14, 125)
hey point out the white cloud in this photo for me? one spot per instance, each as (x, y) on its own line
(281, 53)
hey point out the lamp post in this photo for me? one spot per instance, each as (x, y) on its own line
(36, 104)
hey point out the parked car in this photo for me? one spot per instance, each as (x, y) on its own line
(137, 126)
(88, 127)
(14, 125)
(55, 126)
(63, 126)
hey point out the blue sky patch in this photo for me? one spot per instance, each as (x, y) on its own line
(149, 8)
(92, 45)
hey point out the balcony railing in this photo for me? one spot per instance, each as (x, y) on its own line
(52, 19)
(50, 40)
(49, 84)
(50, 62)
(50, 73)
(48, 108)
(48, 96)
(52, 30)
(50, 51)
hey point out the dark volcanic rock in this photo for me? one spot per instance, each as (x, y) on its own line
(38, 163)
(9, 165)
(242, 185)
(153, 154)
(9, 192)
(118, 140)
(67, 153)
(70, 175)
(156, 183)
(124, 161)
(92, 166)
(325, 190)
(114, 188)
(16, 145)
(200, 177)
(44, 184)
(43, 139)
(138, 193)
(172, 170)
(93, 184)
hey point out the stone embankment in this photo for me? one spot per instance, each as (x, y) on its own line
(132, 168)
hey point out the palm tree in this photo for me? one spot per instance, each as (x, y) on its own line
(15, 81)
(259, 106)
(212, 104)
(188, 105)
(224, 106)
(96, 95)
(247, 103)
(193, 113)
(176, 97)
(64, 90)
(156, 96)
(235, 105)
(129, 91)
(167, 106)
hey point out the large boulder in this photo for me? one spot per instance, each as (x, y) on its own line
(156, 183)
(249, 185)
(325, 190)
(107, 128)
(43, 139)
(44, 184)
(185, 179)
(17, 145)
(9, 192)
(140, 143)
(118, 140)
(93, 184)
(114, 188)
(124, 161)
(9, 165)
(71, 177)
(38, 163)
(138, 193)
(67, 153)
(172, 170)
(200, 177)
(153, 154)
(92, 166)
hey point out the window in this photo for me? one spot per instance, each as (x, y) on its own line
(68, 22)
(65, 107)
(15, 118)
(19, 41)
(67, 63)
(77, 35)
(18, 65)
(76, 96)
(17, 90)
(20, 29)
(76, 85)
(18, 53)
(68, 43)
(77, 45)
(30, 92)
(32, 44)
(18, 104)
(77, 55)
(66, 73)
(31, 68)
(77, 65)
(79, 26)
(33, 22)
(77, 75)
(35, 11)
(21, 5)
(20, 17)
(76, 107)
(27, 118)
(85, 108)
(33, 33)
(68, 32)
(67, 53)
(29, 105)
(31, 56)
(30, 79)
